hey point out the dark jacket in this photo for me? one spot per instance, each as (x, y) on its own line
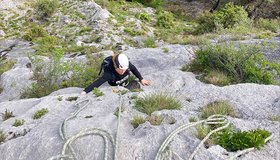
(112, 77)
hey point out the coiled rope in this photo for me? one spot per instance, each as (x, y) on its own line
(107, 137)
(166, 153)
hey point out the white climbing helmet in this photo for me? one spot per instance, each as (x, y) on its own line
(122, 61)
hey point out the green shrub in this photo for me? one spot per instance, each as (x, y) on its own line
(165, 50)
(46, 45)
(18, 122)
(264, 35)
(97, 92)
(85, 29)
(49, 81)
(268, 24)
(243, 64)
(202, 131)
(6, 65)
(2, 136)
(227, 17)
(7, 114)
(231, 15)
(34, 31)
(239, 140)
(218, 107)
(45, 8)
(193, 119)
(165, 20)
(155, 102)
(144, 17)
(133, 32)
(205, 24)
(150, 42)
(71, 99)
(151, 3)
(137, 121)
(38, 114)
(1, 89)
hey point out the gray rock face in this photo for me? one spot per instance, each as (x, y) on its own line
(15, 80)
(40, 139)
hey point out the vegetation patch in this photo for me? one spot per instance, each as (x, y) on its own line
(71, 99)
(45, 8)
(6, 65)
(1, 89)
(155, 102)
(150, 43)
(239, 140)
(97, 92)
(155, 119)
(272, 25)
(229, 16)
(274, 117)
(18, 122)
(244, 63)
(40, 113)
(34, 31)
(137, 120)
(7, 114)
(2, 136)
(218, 107)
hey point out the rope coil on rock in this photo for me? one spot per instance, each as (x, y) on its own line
(107, 137)
(214, 119)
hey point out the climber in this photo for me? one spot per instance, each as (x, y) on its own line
(116, 71)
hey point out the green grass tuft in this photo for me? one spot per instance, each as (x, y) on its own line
(155, 102)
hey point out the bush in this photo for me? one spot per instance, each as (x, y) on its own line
(234, 141)
(165, 20)
(71, 99)
(155, 102)
(243, 64)
(7, 114)
(2, 136)
(38, 114)
(218, 107)
(137, 121)
(151, 3)
(144, 17)
(48, 80)
(18, 122)
(6, 65)
(268, 24)
(45, 8)
(46, 45)
(227, 17)
(150, 43)
(97, 92)
(35, 31)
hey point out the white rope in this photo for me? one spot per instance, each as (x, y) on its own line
(214, 119)
(94, 131)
